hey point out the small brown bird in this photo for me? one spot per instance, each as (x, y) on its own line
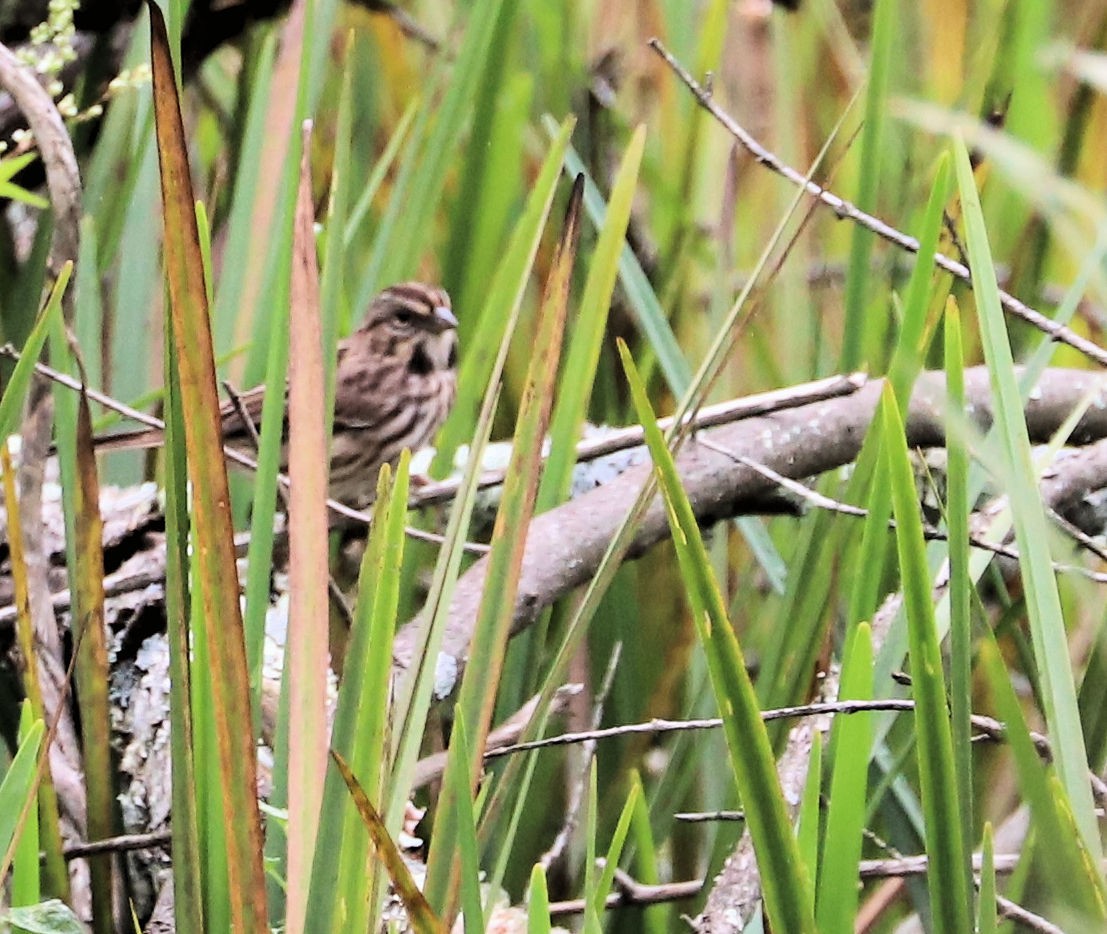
(396, 380)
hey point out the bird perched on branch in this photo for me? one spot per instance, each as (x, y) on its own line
(396, 380)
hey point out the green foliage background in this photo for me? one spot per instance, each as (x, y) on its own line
(423, 161)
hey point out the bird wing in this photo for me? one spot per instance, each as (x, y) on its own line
(358, 401)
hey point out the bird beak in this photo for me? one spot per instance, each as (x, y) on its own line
(444, 317)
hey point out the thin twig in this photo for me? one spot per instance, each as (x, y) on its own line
(114, 586)
(846, 210)
(121, 844)
(989, 727)
(631, 892)
(1015, 912)
(708, 817)
(1078, 535)
(576, 797)
(930, 533)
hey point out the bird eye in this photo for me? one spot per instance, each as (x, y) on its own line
(405, 317)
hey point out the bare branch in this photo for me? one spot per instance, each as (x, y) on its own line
(565, 545)
(846, 210)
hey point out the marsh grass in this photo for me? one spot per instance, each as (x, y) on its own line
(454, 165)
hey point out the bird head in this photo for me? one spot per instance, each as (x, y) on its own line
(415, 324)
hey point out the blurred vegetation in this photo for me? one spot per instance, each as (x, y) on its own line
(423, 160)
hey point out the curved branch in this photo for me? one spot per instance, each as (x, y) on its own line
(64, 183)
(566, 544)
(62, 176)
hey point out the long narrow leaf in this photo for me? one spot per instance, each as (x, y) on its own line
(643, 300)
(1074, 879)
(851, 745)
(91, 668)
(362, 722)
(862, 331)
(18, 784)
(25, 888)
(1047, 624)
(468, 854)
(960, 583)
(419, 911)
(188, 904)
(538, 903)
(784, 879)
(11, 403)
(478, 688)
(217, 576)
(583, 356)
(416, 195)
(598, 896)
(309, 575)
(950, 900)
(483, 361)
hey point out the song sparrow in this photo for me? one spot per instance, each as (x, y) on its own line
(396, 379)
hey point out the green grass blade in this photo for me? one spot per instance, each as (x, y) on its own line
(538, 903)
(960, 579)
(491, 175)
(598, 895)
(1047, 625)
(645, 852)
(592, 916)
(950, 901)
(18, 785)
(1075, 881)
(482, 365)
(25, 888)
(850, 750)
(583, 356)
(986, 901)
(643, 300)
(423, 919)
(784, 879)
(362, 723)
(416, 196)
(15, 392)
(807, 835)
(240, 260)
(188, 904)
(468, 854)
(91, 670)
(333, 294)
(864, 330)
(873, 551)
(381, 168)
(489, 644)
(908, 357)
(414, 691)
